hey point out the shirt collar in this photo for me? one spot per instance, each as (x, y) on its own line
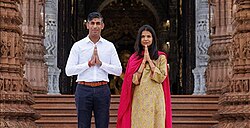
(89, 41)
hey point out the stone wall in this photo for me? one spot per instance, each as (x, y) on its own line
(33, 36)
(15, 90)
(219, 68)
(234, 102)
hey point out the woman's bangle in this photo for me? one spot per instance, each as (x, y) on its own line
(143, 64)
(153, 68)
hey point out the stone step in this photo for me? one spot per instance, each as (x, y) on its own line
(192, 124)
(193, 117)
(189, 111)
(177, 109)
(194, 97)
(116, 98)
(113, 117)
(116, 104)
(73, 124)
(64, 98)
(67, 124)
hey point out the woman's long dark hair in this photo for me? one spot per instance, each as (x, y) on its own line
(152, 49)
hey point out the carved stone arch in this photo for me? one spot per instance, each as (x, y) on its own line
(104, 4)
(121, 27)
(145, 2)
(121, 34)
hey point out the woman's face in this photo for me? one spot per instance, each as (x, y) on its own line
(146, 38)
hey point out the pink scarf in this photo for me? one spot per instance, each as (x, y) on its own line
(125, 107)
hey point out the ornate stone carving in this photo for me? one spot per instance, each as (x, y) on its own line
(16, 94)
(246, 50)
(50, 44)
(219, 69)
(239, 86)
(33, 36)
(202, 44)
(235, 100)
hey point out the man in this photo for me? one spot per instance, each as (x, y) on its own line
(92, 59)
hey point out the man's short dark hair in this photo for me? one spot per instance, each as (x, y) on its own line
(93, 15)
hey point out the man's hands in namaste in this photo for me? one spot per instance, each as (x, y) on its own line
(95, 59)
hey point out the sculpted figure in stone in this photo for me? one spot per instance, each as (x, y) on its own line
(238, 86)
(232, 86)
(17, 85)
(18, 47)
(236, 52)
(246, 85)
(8, 84)
(2, 89)
(246, 49)
(4, 49)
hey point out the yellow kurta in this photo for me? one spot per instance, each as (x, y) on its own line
(148, 104)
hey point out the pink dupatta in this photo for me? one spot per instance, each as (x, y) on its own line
(125, 107)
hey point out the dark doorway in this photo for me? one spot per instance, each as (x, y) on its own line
(122, 19)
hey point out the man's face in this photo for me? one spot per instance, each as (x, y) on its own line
(95, 27)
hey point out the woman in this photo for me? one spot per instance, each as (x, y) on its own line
(145, 98)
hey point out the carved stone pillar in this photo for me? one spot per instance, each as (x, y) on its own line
(33, 35)
(202, 44)
(15, 92)
(234, 110)
(219, 69)
(50, 44)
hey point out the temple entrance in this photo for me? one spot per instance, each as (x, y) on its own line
(122, 20)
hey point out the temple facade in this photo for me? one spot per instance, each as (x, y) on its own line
(207, 41)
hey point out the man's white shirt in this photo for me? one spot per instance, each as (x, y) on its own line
(82, 51)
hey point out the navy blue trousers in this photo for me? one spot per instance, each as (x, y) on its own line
(92, 99)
